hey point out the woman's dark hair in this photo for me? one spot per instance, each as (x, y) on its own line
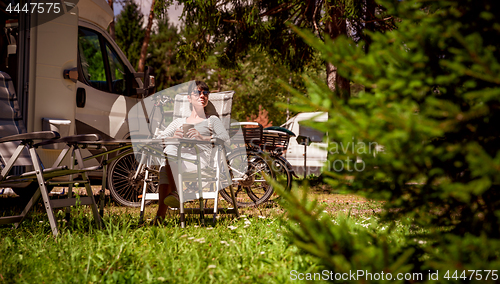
(209, 109)
(197, 84)
(202, 85)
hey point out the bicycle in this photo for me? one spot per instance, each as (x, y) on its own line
(263, 152)
(275, 143)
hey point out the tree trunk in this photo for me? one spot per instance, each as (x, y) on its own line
(147, 36)
(369, 26)
(335, 26)
(369, 22)
(112, 24)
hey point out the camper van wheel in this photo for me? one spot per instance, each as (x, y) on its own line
(125, 188)
(252, 189)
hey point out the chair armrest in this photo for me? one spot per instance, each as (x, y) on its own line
(245, 123)
(40, 135)
(82, 138)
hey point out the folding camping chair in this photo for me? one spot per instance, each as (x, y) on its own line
(45, 177)
(220, 177)
(18, 152)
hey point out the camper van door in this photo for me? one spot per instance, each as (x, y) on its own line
(54, 48)
(103, 99)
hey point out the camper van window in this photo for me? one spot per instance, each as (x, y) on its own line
(117, 69)
(91, 59)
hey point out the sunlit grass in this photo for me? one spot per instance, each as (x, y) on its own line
(253, 248)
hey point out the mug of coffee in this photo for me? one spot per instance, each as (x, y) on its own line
(186, 127)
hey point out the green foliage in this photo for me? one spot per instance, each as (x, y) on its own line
(252, 43)
(254, 80)
(129, 32)
(237, 26)
(92, 61)
(345, 244)
(163, 50)
(432, 104)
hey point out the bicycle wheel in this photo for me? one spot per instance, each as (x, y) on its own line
(252, 188)
(283, 175)
(124, 188)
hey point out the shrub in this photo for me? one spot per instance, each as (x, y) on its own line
(432, 100)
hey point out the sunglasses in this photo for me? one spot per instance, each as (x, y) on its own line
(198, 93)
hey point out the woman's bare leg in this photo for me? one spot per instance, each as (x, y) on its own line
(164, 190)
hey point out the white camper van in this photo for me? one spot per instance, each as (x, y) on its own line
(63, 72)
(309, 158)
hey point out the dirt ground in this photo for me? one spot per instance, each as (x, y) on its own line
(12, 200)
(328, 199)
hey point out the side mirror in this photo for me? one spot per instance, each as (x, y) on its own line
(304, 140)
(148, 86)
(151, 82)
(313, 134)
(148, 81)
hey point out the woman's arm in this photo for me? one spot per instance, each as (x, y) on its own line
(170, 130)
(219, 131)
(216, 128)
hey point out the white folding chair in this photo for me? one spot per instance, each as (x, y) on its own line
(43, 177)
(18, 149)
(217, 175)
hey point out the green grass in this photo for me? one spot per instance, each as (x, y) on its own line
(251, 249)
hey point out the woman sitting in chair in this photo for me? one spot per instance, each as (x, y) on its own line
(207, 125)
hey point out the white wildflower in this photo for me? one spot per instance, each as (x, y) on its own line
(191, 238)
(262, 217)
(232, 227)
(246, 226)
(183, 236)
(211, 266)
(224, 242)
(200, 240)
(210, 228)
(262, 252)
(243, 216)
(247, 222)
